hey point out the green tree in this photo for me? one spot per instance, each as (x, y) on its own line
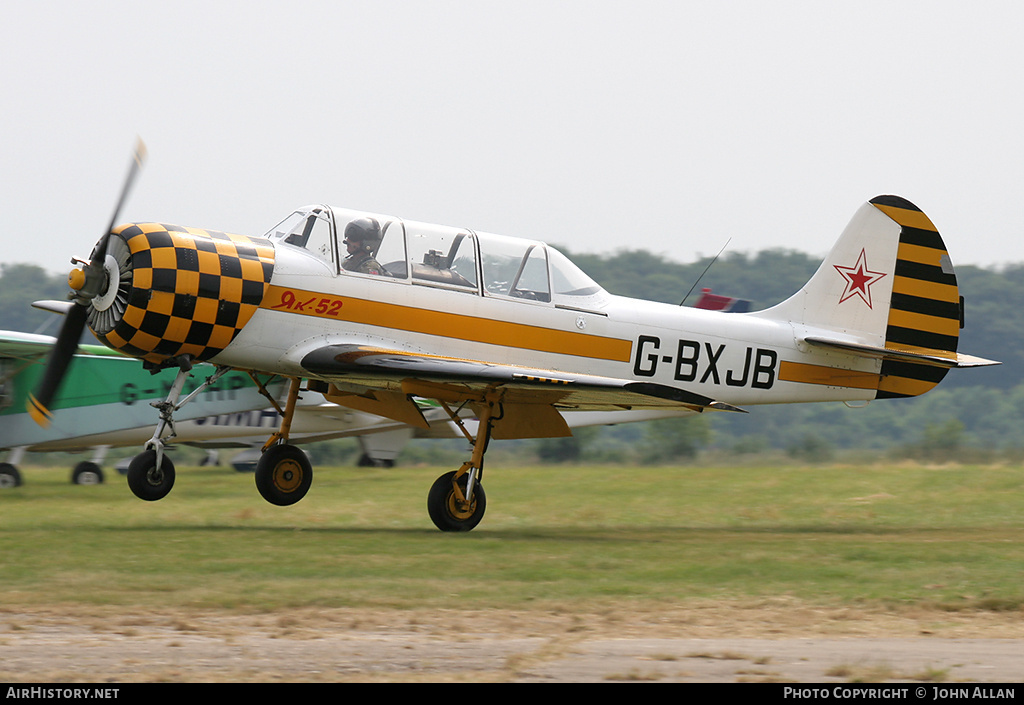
(811, 448)
(20, 285)
(674, 440)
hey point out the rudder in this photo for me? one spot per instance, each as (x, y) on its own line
(925, 308)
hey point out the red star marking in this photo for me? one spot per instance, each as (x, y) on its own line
(858, 280)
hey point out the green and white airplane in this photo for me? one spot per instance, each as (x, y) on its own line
(105, 404)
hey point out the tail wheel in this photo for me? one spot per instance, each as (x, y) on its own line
(148, 481)
(283, 475)
(447, 511)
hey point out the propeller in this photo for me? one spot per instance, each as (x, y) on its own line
(91, 280)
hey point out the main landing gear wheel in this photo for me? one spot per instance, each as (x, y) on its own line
(87, 473)
(9, 476)
(146, 480)
(283, 475)
(448, 510)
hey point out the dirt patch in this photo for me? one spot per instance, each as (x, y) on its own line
(773, 641)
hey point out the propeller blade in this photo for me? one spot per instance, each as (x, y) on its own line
(60, 359)
(138, 159)
(88, 284)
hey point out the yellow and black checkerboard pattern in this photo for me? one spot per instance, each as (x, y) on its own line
(192, 290)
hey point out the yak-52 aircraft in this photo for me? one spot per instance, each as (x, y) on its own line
(375, 311)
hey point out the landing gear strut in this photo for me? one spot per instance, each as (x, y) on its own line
(284, 473)
(151, 473)
(456, 501)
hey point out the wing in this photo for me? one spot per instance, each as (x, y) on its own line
(32, 347)
(382, 381)
(25, 346)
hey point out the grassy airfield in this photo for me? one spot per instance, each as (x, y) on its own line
(947, 537)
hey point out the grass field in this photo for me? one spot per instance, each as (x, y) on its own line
(948, 537)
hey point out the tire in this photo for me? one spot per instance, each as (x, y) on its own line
(444, 510)
(146, 480)
(283, 475)
(9, 476)
(87, 473)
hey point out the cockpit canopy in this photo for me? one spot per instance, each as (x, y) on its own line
(440, 256)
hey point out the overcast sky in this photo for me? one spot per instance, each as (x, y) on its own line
(667, 126)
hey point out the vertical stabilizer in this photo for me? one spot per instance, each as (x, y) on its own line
(886, 290)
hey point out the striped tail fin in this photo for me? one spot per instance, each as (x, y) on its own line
(886, 291)
(925, 311)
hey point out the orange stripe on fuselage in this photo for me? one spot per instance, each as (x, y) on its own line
(828, 376)
(446, 325)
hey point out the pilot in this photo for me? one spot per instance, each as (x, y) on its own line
(362, 238)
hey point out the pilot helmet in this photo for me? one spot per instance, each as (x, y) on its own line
(365, 231)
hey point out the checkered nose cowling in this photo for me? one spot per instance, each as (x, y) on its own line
(185, 291)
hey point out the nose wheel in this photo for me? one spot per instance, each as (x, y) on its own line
(149, 477)
(151, 473)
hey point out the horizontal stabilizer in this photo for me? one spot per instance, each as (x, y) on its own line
(905, 353)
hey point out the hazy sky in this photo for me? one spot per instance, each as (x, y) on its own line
(669, 126)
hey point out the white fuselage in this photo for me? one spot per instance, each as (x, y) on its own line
(736, 358)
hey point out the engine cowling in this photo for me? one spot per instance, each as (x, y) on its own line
(175, 291)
